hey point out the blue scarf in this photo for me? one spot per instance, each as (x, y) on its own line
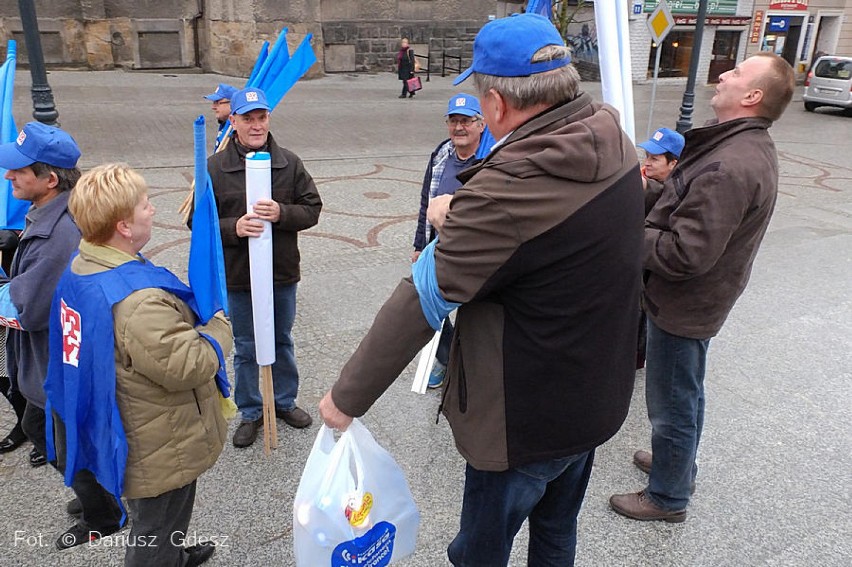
(80, 383)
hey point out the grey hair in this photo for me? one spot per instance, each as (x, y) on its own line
(549, 87)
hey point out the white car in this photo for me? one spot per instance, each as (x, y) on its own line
(829, 83)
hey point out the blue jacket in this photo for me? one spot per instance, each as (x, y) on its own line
(43, 253)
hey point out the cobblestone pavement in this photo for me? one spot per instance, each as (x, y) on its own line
(775, 458)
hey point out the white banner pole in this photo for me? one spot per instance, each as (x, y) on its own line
(259, 186)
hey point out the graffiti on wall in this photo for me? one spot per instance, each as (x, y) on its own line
(584, 46)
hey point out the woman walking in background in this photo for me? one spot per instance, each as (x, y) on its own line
(405, 66)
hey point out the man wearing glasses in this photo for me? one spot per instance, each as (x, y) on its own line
(465, 125)
(221, 99)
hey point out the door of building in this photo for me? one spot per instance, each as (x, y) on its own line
(724, 57)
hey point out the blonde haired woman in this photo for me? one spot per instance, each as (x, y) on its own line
(132, 374)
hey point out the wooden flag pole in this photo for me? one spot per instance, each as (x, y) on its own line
(270, 429)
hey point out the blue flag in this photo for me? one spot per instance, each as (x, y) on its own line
(279, 71)
(261, 59)
(206, 260)
(273, 64)
(540, 7)
(302, 60)
(12, 211)
(486, 141)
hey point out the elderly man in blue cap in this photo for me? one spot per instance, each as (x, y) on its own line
(465, 126)
(42, 166)
(540, 249)
(295, 206)
(221, 99)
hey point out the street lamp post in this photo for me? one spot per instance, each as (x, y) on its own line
(684, 121)
(44, 109)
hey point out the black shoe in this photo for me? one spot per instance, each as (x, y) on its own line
(296, 417)
(12, 441)
(74, 508)
(200, 553)
(246, 433)
(80, 533)
(401, 96)
(37, 459)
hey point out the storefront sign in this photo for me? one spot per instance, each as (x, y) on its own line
(755, 26)
(714, 21)
(778, 24)
(789, 5)
(721, 7)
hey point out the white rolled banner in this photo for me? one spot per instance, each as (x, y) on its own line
(259, 186)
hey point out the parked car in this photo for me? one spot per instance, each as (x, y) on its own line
(829, 83)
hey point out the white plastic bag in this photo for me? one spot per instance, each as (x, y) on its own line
(353, 506)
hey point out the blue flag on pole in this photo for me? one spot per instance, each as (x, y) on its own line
(273, 64)
(278, 71)
(12, 211)
(206, 260)
(540, 7)
(261, 59)
(276, 87)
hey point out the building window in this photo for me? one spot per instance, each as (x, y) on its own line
(675, 55)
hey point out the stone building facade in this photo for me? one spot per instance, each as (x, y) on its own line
(225, 36)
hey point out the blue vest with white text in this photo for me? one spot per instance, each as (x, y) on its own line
(80, 383)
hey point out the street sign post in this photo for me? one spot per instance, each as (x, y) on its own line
(659, 23)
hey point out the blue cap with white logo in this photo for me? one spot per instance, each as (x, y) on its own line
(247, 100)
(39, 142)
(663, 141)
(465, 104)
(222, 92)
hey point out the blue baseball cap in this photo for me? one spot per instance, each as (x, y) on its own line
(247, 100)
(39, 142)
(505, 47)
(464, 104)
(664, 140)
(222, 92)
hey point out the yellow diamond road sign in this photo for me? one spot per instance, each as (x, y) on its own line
(660, 22)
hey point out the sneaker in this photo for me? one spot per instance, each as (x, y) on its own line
(80, 533)
(199, 554)
(296, 417)
(37, 459)
(436, 377)
(246, 432)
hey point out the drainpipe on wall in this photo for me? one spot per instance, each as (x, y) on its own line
(196, 42)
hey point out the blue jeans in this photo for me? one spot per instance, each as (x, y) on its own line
(285, 375)
(674, 394)
(496, 504)
(442, 355)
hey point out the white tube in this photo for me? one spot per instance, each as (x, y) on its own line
(259, 186)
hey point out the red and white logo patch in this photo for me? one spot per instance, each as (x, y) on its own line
(72, 330)
(251, 96)
(21, 137)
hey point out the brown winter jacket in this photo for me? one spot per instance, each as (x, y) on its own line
(542, 248)
(293, 189)
(703, 232)
(165, 383)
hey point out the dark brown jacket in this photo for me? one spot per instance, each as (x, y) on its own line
(703, 233)
(293, 189)
(542, 248)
